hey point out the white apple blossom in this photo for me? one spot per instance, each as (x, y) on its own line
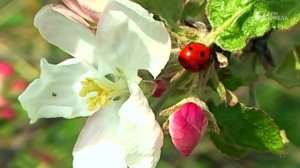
(101, 82)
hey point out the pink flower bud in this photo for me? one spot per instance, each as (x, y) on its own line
(161, 87)
(186, 126)
(7, 113)
(6, 69)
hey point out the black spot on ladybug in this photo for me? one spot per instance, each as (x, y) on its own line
(201, 66)
(202, 54)
(190, 48)
(54, 94)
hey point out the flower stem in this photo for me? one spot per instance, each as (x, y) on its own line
(252, 98)
(156, 104)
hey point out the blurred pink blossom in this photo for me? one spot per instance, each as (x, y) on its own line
(18, 85)
(6, 69)
(43, 156)
(7, 113)
(3, 101)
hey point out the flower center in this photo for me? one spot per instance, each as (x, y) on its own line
(102, 92)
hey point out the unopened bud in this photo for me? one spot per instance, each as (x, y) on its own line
(188, 121)
(161, 87)
(187, 126)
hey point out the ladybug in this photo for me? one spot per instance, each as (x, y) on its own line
(195, 57)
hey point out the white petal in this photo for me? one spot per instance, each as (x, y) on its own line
(56, 92)
(106, 155)
(131, 39)
(100, 127)
(69, 35)
(148, 161)
(140, 135)
(98, 142)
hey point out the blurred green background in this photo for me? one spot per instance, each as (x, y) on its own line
(49, 142)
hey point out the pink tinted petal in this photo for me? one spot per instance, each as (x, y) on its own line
(187, 126)
(69, 14)
(6, 69)
(93, 7)
(76, 7)
(67, 34)
(7, 113)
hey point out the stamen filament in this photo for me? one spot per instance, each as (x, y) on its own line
(101, 93)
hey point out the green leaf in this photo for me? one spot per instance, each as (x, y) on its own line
(248, 127)
(235, 21)
(286, 109)
(12, 19)
(282, 42)
(242, 68)
(168, 10)
(241, 72)
(12, 14)
(219, 87)
(232, 83)
(195, 9)
(230, 149)
(288, 73)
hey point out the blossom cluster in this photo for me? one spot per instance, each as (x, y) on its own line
(109, 42)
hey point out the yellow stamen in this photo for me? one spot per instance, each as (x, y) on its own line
(99, 89)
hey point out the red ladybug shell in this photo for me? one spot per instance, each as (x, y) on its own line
(195, 57)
